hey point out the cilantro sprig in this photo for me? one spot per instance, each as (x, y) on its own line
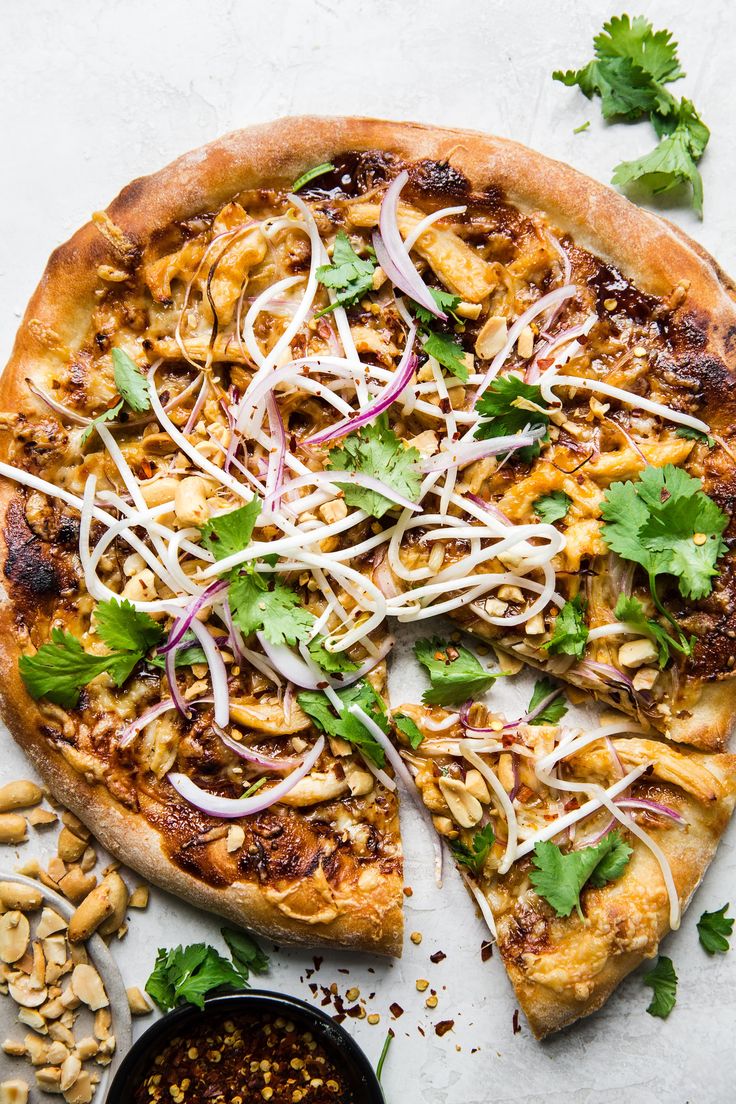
(551, 713)
(552, 507)
(344, 725)
(62, 667)
(455, 675)
(474, 857)
(631, 67)
(348, 275)
(570, 633)
(445, 349)
(189, 974)
(408, 728)
(133, 390)
(668, 525)
(508, 407)
(663, 980)
(714, 931)
(559, 876)
(376, 450)
(632, 612)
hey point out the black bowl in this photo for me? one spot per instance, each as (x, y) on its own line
(351, 1060)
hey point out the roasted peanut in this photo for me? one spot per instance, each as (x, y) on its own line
(12, 828)
(15, 932)
(139, 1004)
(139, 896)
(96, 907)
(191, 500)
(77, 885)
(14, 1092)
(87, 985)
(50, 923)
(81, 1091)
(70, 847)
(70, 1070)
(13, 895)
(19, 795)
(119, 896)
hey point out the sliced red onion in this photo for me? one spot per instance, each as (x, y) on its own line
(197, 408)
(403, 373)
(291, 666)
(533, 372)
(589, 668)
(383, 576)
(489, 508)
(183, 623)
(275, 475)
(218, 672)
(515, 772)
(596, 837)
(402, 772)
(614, 756)
(129, 732)
(177, 697)
(229, 808)
(651, 807)
(355, 479)
(251, 756)
(463, 454)
(57, 407)
(392, 254)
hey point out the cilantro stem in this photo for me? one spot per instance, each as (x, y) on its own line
(384, 1052)
(681, 645)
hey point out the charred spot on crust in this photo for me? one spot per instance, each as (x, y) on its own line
(42, 570)
(527, 933)
(687, 332)
(438, 179)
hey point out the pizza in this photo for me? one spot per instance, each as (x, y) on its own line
(327, 377)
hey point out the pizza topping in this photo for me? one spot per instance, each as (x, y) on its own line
(189, 974)
(570, 633)
(312, 174)
(376, 451)
(454, 673)
(393, 254)
(559, 876)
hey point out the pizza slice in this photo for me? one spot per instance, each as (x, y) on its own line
(581, 847)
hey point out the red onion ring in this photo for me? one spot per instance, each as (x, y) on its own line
(184, 622)
(462, 455)
(229, 808)
(651, 807)
(392, 254)
(129, 732)
(275, 477)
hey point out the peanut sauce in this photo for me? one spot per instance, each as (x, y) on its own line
(240, 1059)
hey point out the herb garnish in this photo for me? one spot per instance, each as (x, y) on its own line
(559, 876)
(376, 450)
(312, 174)
(552, 507)
(454, 673)
(714, 930)
(345, 726)
(474, 857)
(130, 381)
(663, 980)
(551, 713)
(442, 346)
(349, 275)
(570, 633)
(61, 667)
(633, 63)
(510, 406)
(189, 974)
(407, 726)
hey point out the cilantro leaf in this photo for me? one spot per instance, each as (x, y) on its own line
(631, 611)
(61, 667)
(130, 381)
(376, 450)
(695, 435)
(445, 300)
(683, 138)
(274, 609)
(446, 351)
(454, 673)
(635, 39)
(106, 416)
(714, 929)
(663, 980)
(231, 532)
(407, 726)
(666, 523)
(120, 625)
(345, 726)
(349, 275)
(626, 90)
(334, 663)
(188, 974)
(190, 653)
(559, 876)
(474, 857)
(246, 954)
(508, 407)
(570, 634)
(551, 713)
(552, 507)
(312, 174)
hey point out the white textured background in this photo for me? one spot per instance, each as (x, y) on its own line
(94, 94)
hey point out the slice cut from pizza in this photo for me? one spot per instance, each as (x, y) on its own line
(581, 847)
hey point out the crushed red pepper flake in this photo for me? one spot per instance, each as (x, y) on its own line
(486, 950)
(242, 1059)
(515, 1022)
(438, 956)
(396, 1010)
(443, 1027)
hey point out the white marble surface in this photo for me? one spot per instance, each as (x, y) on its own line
(93, 94)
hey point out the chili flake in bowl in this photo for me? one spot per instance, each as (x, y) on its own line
(245, 1048)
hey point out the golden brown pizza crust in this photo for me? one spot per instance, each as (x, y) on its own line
(653, 253)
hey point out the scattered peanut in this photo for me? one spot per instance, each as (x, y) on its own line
(138, 1003)
(13, 895)
(19, 795)
(14, 1092)
(139, 897)
(87, 985)
(12, 828)
(76, 885)
(70, 847)
(15, 932)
